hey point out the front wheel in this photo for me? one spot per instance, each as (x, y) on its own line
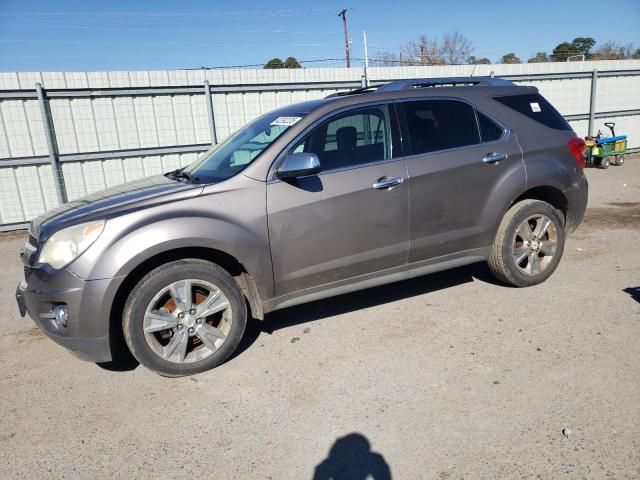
(184, 317)
(528, 245)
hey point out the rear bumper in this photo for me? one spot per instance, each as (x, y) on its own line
(577, 199)
(86, 333)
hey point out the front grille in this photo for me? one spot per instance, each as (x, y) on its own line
(27, 272)
(33, 240)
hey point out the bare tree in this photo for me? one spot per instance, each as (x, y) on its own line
(612, 51)
(387, 59)
(455, 48)
(422, 51)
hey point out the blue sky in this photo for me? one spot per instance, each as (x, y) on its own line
(89, 35)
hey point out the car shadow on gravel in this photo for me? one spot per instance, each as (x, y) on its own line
(362, 299)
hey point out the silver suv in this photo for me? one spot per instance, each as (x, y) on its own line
(312, 200)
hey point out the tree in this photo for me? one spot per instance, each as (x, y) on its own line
(454, 48)
(584, 45)
(478, 61)
(510, 58)
(422, 51)
(539, 57)
(387, 59)
(636, 54)
(612, 51)
(291, 62)
(564, 51)
(274, 63)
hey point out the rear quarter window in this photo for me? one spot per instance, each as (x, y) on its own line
(534, 106)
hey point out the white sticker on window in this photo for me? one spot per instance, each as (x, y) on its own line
(535, 106)
(288, 121)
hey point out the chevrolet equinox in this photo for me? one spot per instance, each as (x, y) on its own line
(312, 200)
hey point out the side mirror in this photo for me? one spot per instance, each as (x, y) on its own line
(298, 165)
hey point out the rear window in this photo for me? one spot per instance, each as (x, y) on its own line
(440, 125)
(536, 108)
(489, 131)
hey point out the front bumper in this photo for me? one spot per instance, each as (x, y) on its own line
(86, 333)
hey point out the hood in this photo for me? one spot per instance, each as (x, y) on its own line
(112, 202)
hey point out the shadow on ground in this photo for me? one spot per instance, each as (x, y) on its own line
(634, 292)
(370, 297)
(351, 458)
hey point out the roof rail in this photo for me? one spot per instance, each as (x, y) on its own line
(413, 83)
(444, 82)
(357, 91)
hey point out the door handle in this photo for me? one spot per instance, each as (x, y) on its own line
(387, 182)
(494, 157)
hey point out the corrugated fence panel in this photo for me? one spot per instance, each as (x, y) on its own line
(111, 123)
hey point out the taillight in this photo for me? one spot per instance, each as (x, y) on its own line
(576, 145)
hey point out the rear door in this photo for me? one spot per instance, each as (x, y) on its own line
(351, 220)
(460, 162)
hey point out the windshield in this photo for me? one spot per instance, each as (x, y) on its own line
(240, 149)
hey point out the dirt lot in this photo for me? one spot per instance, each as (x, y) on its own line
(446, 376)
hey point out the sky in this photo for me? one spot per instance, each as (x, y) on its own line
(91, 35)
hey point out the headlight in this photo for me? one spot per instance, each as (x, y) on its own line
(65, 246)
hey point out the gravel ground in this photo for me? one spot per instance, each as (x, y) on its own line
(446, 376)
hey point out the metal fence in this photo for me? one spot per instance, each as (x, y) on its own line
(65, 135)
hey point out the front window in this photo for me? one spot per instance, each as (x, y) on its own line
(354, 138)
(240, 149)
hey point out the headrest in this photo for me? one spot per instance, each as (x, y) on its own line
(347, 138)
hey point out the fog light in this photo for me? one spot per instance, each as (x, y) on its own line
(60, 315)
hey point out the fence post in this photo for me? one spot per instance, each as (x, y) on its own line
(212, 120)
(592, 102)
(52, 145)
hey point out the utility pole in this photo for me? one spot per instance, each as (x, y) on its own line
(343, 14)
(366, 60)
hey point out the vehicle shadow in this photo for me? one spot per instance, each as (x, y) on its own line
(634, 292)
(351, 458)
(370, 297)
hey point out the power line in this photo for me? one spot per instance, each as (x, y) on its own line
(230, 13)
(162, 29)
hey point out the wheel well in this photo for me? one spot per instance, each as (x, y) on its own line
(551, 195)
(227, 262)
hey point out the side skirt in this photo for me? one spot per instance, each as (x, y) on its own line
(395, 274)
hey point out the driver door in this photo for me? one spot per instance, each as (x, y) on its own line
(350, 221)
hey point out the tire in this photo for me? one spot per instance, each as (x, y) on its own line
(174, 333)
(604, 163)
(541, 257)
(619, 160)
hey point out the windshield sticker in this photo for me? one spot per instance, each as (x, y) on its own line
(535, 107)
(288, 121)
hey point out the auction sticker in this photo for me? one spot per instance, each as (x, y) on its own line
(288, 121)
(535, 107)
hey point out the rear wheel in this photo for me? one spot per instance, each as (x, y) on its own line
(184, 317)
(619, 160)
(529, 244)
(604, 162)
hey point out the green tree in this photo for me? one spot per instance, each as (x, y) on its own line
(636, 54)
(510, 58)
(291, 62)
(478, 61)
(584, 45)
(274, 63)
(564, 51)
(539, 57)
